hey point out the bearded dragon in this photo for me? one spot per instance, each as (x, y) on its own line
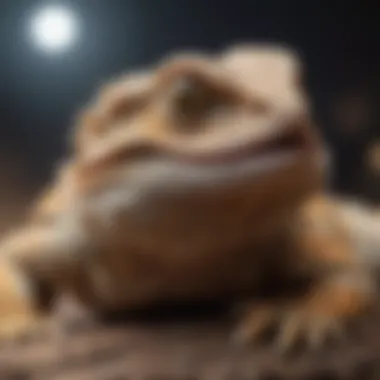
(203, 177)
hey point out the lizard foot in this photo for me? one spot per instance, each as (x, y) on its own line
(320, 317)
(19, 316)
(22, 327)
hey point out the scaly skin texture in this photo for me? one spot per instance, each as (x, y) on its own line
(199, 179)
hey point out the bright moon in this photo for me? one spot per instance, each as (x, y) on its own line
(54, 29)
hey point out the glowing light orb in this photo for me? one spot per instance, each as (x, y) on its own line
(54, 29)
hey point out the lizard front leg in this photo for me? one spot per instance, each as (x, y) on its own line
(19, 312)
(30, 257)
(319, 315)
(343, 288)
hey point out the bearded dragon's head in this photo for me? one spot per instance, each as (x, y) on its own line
(205, 138)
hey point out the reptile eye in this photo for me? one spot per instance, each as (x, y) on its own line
(193, 97)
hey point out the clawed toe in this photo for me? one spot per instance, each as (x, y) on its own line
(293, 325)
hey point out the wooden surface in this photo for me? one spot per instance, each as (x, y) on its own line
(188, 346)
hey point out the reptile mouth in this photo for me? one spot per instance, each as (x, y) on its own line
(293, 142)
(274, 149)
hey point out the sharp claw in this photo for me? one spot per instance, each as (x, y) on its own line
(294, 322)
(247, 333)
(255, 324)
(289, 333)
(316, 335)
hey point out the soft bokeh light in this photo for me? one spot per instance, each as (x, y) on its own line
(54, 29)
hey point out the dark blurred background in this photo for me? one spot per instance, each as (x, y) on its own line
(54, 55)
